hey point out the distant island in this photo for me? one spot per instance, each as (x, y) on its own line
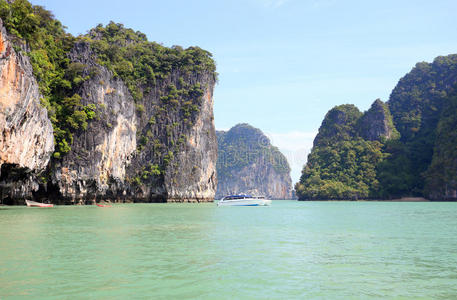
(403, 148)
(248, 163)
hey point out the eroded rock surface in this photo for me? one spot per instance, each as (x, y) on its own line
(376, 123)
(26, 134)
(96, 165)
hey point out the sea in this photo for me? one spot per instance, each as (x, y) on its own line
(289, 250)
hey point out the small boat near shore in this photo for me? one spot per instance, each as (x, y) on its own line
(31, 203)
(103, 205)
(243, 200)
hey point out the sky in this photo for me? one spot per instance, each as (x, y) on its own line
(283, 64)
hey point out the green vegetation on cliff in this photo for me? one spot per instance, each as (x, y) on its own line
(345, 170)
(441, 176)
(341, 165)
(244, 145)
(126, 53)
(248, 163)
(339, 125)
(129, 55)
(393, 144)
(35, 30)
(417, 104)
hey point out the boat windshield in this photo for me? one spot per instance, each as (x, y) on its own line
(236, 197)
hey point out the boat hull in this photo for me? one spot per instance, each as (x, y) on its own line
(37, 204)
(244, 202)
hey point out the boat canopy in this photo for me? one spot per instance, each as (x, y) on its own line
(236, 197)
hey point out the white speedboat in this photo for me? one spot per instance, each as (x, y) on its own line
(31, 203)
(243, 200)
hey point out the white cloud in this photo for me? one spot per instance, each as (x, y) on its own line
(293, 140)
(295, 146)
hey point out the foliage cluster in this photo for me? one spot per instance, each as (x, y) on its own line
(424, 115)
(140, 63)
(144, 66)
(146, 173)
(35, 29)
(244, 145)
(417, 104)
(417, 100)
(183, 102)
(441, 176)
(339, 124)
(344, 170)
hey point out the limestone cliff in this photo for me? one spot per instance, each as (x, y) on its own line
(96, 165)
(346, 153)
(132, 120)
(376, 123)
(144, 151)
(339, 124)
(404, 148)
(248, 163)
(26, 134)
(192, 174)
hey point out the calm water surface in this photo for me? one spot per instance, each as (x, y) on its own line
(291, 250)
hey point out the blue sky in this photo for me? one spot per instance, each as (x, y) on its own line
(284, 63)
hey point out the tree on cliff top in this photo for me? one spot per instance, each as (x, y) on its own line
(342, 165)
(125, 52)
(243, 145)
(421, 110)
(129, 55)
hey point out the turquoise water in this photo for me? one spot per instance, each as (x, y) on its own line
(291, 250)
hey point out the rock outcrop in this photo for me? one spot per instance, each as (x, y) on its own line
(139, 152)
(339, 124)
(96, 165)
(404, 148)
(248, 163)
(192, 176)
(147, 139)
(376, 123)
(26, 133)
(342, 163)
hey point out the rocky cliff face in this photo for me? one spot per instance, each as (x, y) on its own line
(26, 134)
(142, 152)
(96, 165)
(183, 149)
(339, 124)
(403, 148)
(192, 176)
(376, 123)
(347, 150)
(248, 163)
(150, 139)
